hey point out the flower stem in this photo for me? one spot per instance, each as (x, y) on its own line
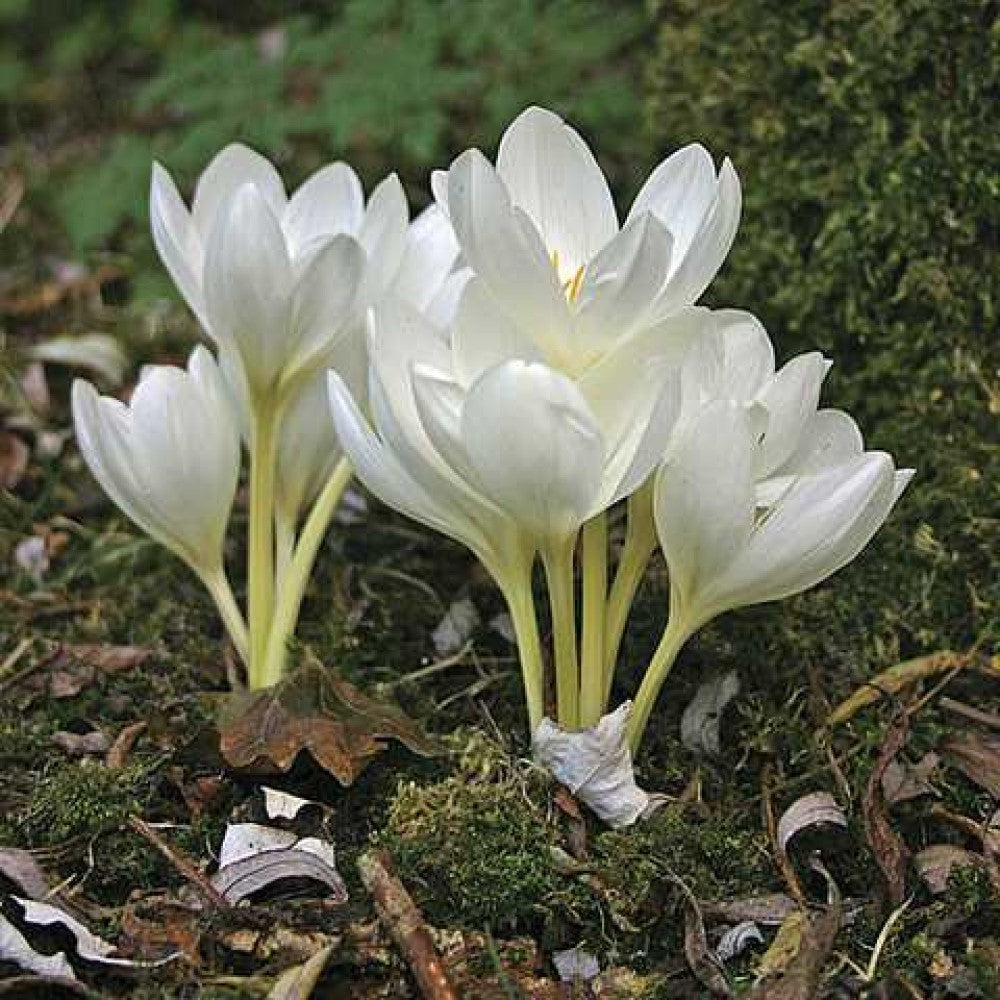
(295, 579)
(260, 552)
(677, 632)
(640, 543)
(217, 584)
(557, 558)
(521, 603)
(284, 543)
(595, 591)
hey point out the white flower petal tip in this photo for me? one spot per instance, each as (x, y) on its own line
(596, 766)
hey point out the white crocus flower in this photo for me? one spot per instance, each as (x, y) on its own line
(724, 551)
(170, 461)
(561, 281)
(275, 280)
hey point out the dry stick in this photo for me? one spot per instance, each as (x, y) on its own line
(183, 865)
(403, 920)
(968, 712)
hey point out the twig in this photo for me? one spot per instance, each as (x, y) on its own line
(184, 866)
(968, 712)
(403, 920)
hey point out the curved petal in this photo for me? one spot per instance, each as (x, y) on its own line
(622, 282)
(325, 303)
(734, 360)
(704, 503)
(484, 336)
(679, 192)
(791, 398)
(694, 271)
(502, 247)
(547, 480)
(551, 173)
(431, 252)
(820, 524)
(383, 234)
(330, 202)
(233, 167)
(248, 284)
(177, 241)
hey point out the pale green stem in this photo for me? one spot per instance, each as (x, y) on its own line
(296, 578)
(557, 558)
(677, 632)
(521, 603)
(217, 584)
(594, 553)
(260, 551)
(640, 543)
(284, 542)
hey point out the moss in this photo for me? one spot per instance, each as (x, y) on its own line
(863, 137)
(475, 846)
(81, 799)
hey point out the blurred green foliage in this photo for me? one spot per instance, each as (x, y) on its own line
(865, 135)
(388, 84)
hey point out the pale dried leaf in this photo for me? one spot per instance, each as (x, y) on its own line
(977, 756)
(14, 455)
(14, 947)
(935, 864)
(92, 744)
(737, 939)
(299, 982)
(22, 870)
(595, 764)
(97, 352)
(456, 627)
(575, 964)
(813, 809)
(903, 781)
(770, 910)
(702, 718)
(283, 805)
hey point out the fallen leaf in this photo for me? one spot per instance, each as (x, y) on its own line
(576, 965)
(935, 864)
(159, 924)
(283, 805)
(254, 857)
(894, 680)
(14, 947)
(977, 756)
(813, 809)
(76, 666)
(903, 781)
(770, 910)
(123, 745)
(701, 959)
(318, 712)
(791, 967)
(299, 982)
(702, 718)
(14, 456)
(890, 850)
(23, 872)
(35, 387)
(96, 352)
(456, 627)
(737, 939)
(92, 744)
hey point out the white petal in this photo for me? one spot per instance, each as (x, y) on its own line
(383, 234)
(248, 281)
(830, 437)
(502, 247)
(330, 202)
(440, 401)
(439, 188)
(547, 479)
(441, 309)
(679, 192)
(233, 167)
(325, 303)
(704, 502)
(820, 524)
(431, 252)
(622, 282)
(177, 241)
(790, 398)
(734, 360)
(595, 764)
(551, 173)
(708, 249)
(484, 336)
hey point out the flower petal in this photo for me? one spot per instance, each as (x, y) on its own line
(383, 234)
(551, 173)
(431, 252)
(330, 202)
(734, 360)
(233, 167)
(248, 283)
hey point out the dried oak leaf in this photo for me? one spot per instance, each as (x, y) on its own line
(75, 666)
(316, 711)
(977, 756)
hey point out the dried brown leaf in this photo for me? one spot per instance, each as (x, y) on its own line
(770, 910)
(977, 756)
(813, 809)
(935, 864)
(14, 456)
(319, 713)
(903, 781)
(92, 744)
(23, 872)
(792, 966)
(298, 983)
(123, 745)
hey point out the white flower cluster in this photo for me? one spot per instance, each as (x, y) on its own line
(504, 369)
